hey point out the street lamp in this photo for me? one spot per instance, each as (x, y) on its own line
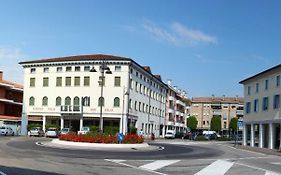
(104, 69)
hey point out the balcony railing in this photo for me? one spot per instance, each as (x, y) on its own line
(68, 109)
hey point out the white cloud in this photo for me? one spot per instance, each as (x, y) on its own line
(178, 34)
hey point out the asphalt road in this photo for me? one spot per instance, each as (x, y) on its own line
(21, 156)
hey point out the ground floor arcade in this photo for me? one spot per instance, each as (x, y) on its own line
(262, 134)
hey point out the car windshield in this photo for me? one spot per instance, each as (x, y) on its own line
(169, 133)
(34, 129)
(65, 130)
(85, 129)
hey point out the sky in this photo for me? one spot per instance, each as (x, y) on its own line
(204, 47)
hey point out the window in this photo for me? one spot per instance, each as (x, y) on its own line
(256, 105)
(77, 69)
(45, 82)
(117, 68)
(76, 104)
(266, 85)
(67, 101)
(248, 107)
(46, 70)
(101, 101)
(278, 80)
(117, 81)
(31, 101)
(32, 82)
(33, 70)
(276, 102)
(58, 101)
(131, 83)
(116, 102)
(86, 68)
(249, 90)
(76, 81)
(59, 81)
(140, 106)
(265, 103)
(131, 70)
(59, 69)
(136, 86)
(257, 87)
(130, 104)
(68, 69)
(67, 81)
(45, 101)
(86, 81)
(136, 105)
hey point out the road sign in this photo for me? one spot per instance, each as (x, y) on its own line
(120, 137)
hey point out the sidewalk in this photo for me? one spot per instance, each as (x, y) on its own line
(259, 150)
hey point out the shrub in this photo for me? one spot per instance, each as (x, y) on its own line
(47, 126)
(133, 130)
(111, 130)
(200, 138)
(94, 129)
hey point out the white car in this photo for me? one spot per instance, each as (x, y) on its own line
(6, 130)
(170, 134)
(52, 132)
(36, 131)
(64, 131)
(84, 130)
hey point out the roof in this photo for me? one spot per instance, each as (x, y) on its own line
(261, 73)
(5, 117)
(12, 84)
(218, 99)
(78, 58)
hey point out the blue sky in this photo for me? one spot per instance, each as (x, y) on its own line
(205, 47)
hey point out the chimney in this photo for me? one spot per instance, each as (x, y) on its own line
(170, 82)
(1, 75)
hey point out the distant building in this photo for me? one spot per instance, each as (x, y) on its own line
(262, 109)
(72, 92)
(177, 106)
(11, 95)
(204, 108)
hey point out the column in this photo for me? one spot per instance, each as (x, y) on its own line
(24, 123)
(245, 131)
(261, 135)
(61, 122)
(272, 132)
(163, 131)
(44, 123)
(81, 123)
(252, 135)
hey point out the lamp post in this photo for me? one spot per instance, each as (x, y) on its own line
(104, 69)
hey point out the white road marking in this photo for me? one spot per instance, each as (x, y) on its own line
(276, 163)
(219, 167)
(2, 173)
(271, 173)
(158, 164)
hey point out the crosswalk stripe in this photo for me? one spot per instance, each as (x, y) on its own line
(2, 173)
(271, 173)
(158, 164)
(219, 167)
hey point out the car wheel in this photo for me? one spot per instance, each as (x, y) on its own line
(6, 134)
(13, 133)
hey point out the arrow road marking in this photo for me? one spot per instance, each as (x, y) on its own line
(219, 167)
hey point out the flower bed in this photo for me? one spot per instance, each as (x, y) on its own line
(101, 138)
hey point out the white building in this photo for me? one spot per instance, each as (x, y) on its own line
(177, 107)
(65, 92)
(262, 116)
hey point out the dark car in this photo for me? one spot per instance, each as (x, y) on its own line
(179, 135)
(211, 136)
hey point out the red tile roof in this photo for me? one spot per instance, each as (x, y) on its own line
(218, 99)
(5, 117)
(12, 84)
(78, 58)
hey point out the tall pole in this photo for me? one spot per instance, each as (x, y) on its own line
(101, 97)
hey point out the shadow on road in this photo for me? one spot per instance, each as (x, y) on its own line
(23, 171)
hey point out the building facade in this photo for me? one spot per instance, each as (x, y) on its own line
(177, 104)
(76, 91)
(204, 108)
(262, 109)
(11, 95)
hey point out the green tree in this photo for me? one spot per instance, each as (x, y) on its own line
(216, 123)
(192, 123)
(233, 124)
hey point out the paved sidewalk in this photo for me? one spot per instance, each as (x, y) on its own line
(259, 150)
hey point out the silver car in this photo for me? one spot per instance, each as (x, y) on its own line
(52, 132)
(36, 131)
(6, 130)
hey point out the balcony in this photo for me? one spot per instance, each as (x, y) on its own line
(171, 98)
(69, 109)
(180, 103)
(170, 111)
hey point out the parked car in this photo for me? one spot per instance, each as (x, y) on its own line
(36, 131)
(179, 135)
(64, 131)
(211, 136)
(6, 130)
(52, 132)
(84, 130)
(170, 134)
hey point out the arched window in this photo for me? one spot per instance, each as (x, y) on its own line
(58, 101)
(76, 103)
(67, 101)
(31, 101)
(116, 102)
(101, 101)
(45, 101)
